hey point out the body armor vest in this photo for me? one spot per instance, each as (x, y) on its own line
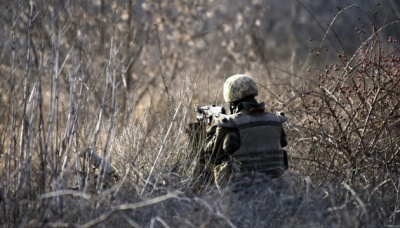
(260, 146)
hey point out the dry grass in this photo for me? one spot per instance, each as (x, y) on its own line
(72, 86)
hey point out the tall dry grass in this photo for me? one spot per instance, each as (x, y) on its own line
(96, 101)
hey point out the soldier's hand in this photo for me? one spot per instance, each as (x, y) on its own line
(211, 130)
(212, 121)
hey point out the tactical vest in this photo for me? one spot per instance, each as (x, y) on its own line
(260, 145)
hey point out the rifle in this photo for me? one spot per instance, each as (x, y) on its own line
(197, 134)
(206, 113)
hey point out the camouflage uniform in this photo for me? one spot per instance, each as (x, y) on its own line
(249, 141)
(234, 150)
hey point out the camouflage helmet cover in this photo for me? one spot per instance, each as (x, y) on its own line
(239, 86)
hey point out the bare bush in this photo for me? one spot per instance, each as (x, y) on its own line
(96, 97)
(346, 121)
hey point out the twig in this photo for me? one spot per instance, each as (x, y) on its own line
(162, 146)
(65, 192)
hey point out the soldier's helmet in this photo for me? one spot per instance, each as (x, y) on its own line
(239, 86)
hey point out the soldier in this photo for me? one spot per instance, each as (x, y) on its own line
(249, 142)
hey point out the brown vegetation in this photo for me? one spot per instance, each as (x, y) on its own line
(96, 97)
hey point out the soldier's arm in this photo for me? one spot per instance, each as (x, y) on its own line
(227, 141)
(231, 141)
(284, 142)
(282, 118)
(222, 140)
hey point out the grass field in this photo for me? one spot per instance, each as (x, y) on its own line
(96, 99)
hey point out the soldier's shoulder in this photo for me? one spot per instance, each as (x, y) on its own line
(279, 116)
(225, 121)
(282, 117)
